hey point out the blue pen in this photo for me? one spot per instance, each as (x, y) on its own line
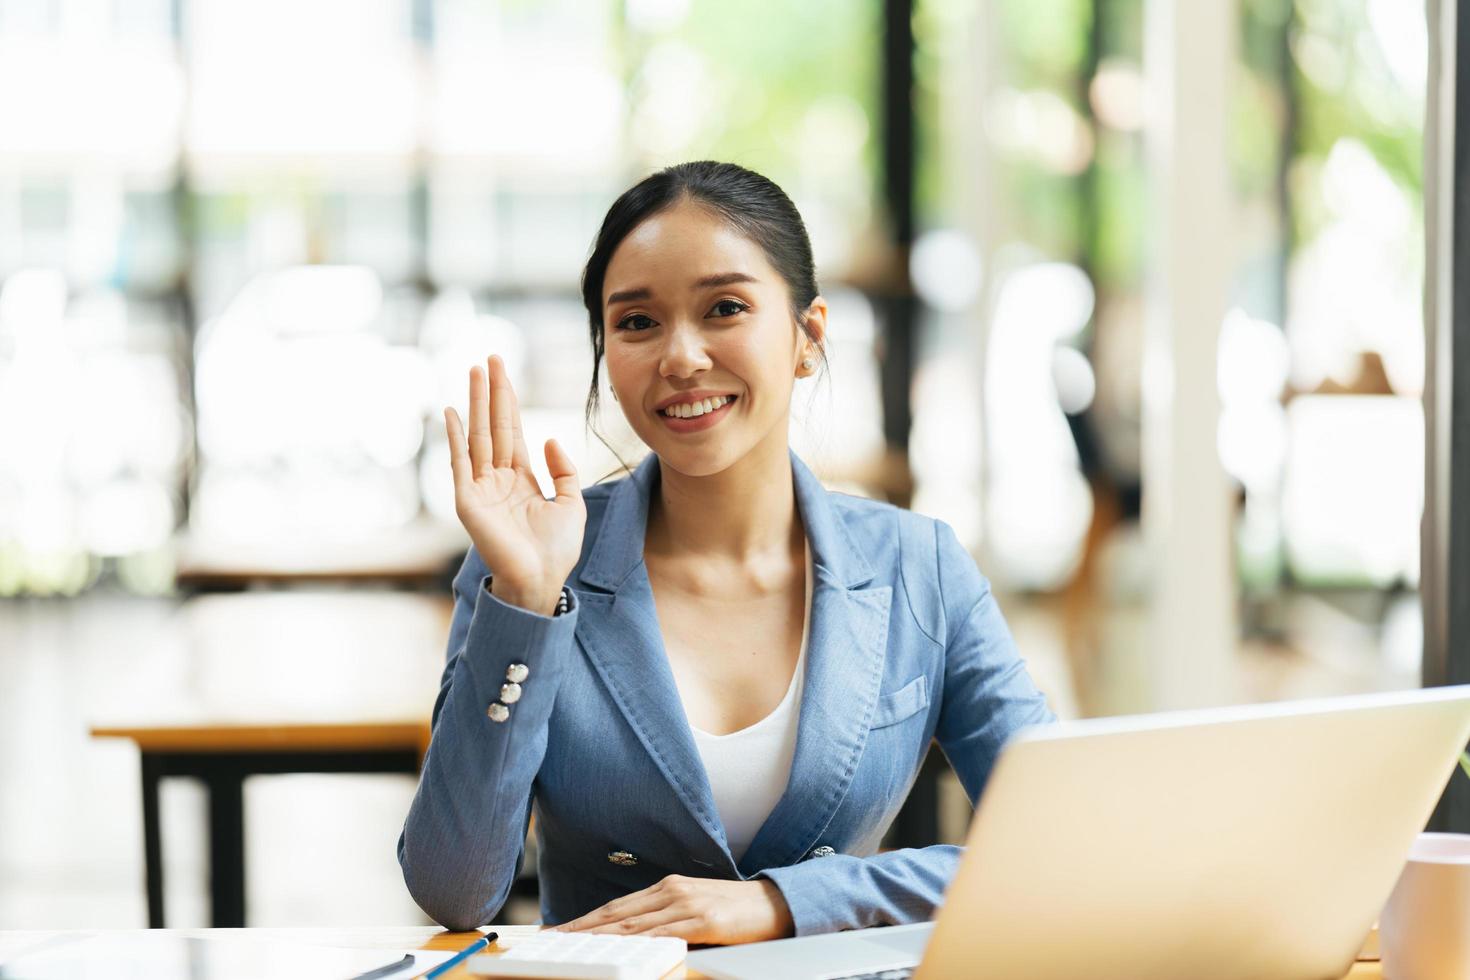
(462, 955)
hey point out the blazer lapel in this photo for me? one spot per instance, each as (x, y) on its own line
(846, 643)
(619, 632)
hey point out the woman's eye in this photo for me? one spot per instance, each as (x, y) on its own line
(729, 307)
(635, 321)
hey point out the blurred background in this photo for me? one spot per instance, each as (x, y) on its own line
(1128, 291)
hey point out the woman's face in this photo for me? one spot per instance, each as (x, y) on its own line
(692, 311)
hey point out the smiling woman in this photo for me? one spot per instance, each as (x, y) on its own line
(711, 679)
(701, 284)
(726, 329)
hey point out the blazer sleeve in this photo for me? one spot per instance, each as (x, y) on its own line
(987, 697)
(464, 837)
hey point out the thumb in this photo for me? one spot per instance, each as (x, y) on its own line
(563, 472)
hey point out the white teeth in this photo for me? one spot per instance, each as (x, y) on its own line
(694, 409)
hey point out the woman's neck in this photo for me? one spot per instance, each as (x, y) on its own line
(742, 514)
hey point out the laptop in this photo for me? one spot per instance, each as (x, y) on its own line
(1256, 841)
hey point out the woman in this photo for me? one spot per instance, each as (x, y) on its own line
(713, 680)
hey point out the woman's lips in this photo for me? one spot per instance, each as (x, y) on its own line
(700, 422)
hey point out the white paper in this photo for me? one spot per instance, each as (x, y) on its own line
(165, 955)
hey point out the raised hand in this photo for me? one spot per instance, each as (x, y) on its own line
(529, 543)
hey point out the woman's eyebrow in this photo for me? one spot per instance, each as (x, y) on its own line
(641, 293)
(722, 279)
(707, 282)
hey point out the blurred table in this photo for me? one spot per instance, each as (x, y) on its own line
(270, 683)
(432, 938)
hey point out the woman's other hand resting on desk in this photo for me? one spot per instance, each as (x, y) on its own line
(529, 543)
(698, 910)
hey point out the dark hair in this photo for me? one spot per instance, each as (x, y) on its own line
(752, 204)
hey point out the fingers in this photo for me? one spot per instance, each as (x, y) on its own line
(502, 414)
(696, 909)
(644, 924)
(563, 472)
(459, 454)
(495, 438)
(479, 442)
(647, 900)
(691, 930)
(501, 390)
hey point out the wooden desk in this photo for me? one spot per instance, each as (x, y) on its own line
(222, 756)
(269, 683)
(428, 937)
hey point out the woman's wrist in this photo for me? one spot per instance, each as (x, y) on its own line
(533, 600)
(785, 925)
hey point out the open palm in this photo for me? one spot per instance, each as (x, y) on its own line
(529, 543)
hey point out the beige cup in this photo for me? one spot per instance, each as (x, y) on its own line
(1424, 932)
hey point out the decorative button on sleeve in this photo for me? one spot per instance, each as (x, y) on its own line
(516, 674)
(510, 692)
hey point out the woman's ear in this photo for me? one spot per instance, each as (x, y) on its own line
(811, 336)
(816, 321)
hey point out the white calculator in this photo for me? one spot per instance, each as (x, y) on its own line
(582, 956)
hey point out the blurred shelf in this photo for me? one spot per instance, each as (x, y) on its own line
(421, 554)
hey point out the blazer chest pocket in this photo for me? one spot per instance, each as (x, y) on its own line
(903, 703)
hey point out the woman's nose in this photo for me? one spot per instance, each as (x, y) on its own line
(684, 352)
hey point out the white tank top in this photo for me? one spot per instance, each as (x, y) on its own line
(748, 770)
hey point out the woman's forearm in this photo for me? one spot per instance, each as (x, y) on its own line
(462, 842)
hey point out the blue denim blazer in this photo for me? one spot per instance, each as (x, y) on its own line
(905, 645)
